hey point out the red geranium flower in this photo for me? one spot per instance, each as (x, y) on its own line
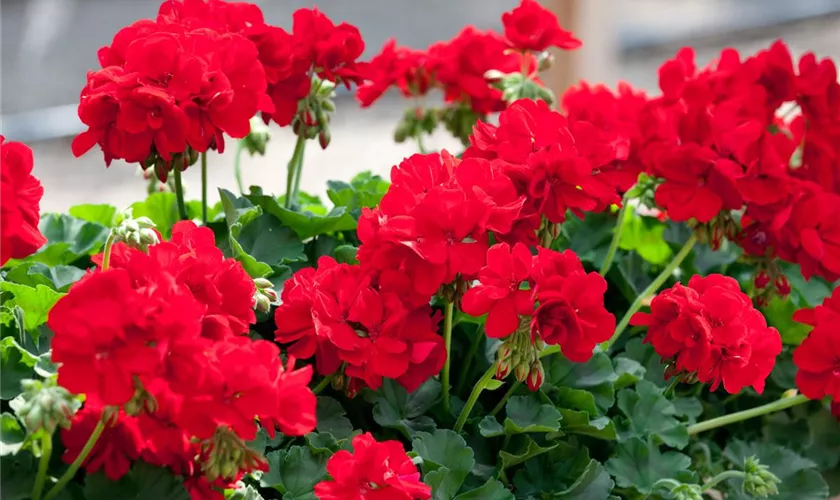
(373, 471)
(533, 27)
(398, 66)
(499, 293)
(818, 356)
(19, 203)
(712, 329)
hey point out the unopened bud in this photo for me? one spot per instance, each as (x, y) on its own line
(261, 303)
(264, 296)
(545, 60)
(520, 372)
(782, 285)
(687, 492)
(324, 138)
(535, 376)
(758, 480)
(256, 140)
(761, 280)
(502, 369)
(46, 405)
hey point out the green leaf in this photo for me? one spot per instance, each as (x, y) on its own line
(444, 483)
(394, 407)
(589, 238)
(647, 357)
(364, 190)
(629, 372)
(523, 414)
(35, 302)
(144, 482)
(524, 448)
(322, 442)
(68, 239)
(580, 422)
(161, 208)
(266, 240)
(779, 314)
(331, 418)
(565, 473)
(643, 235)
(306, 224)
(444, 448)
(100, 214)
(800, 478)
(17, 364)
(294, 472)
(32, 274)
(639, 464)
(238, 209)
(648, 413)
(243, 492)
(12, 434)
(595, 376)
(17, 475)
(346, 254)
(491, 490)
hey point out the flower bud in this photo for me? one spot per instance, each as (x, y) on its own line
(324, 138)
(264, 296)
(502, 369)
(758, 480)
(782, 285)
(545, 60)
(687, 492)
(520, 372)
(137, 233)
(46, 405)
(261, 303)
(535, 376)
(761, 280)
(225, 455)
(256, 140)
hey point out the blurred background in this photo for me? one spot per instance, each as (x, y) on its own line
(49, 45)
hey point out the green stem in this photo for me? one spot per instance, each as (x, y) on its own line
(43, 465)
(651, 289)
(723, 476)
(322, 384)
(204, 188)
(476, 392)
(616, 238)
(778, 405)
(671, 387)
(179, 194)
(297, 158)
(447, 340)
(420, 146)
(508, 394)
(106, 256)
(462, 378)
(74, 467)
(299, 173)
(237, 166)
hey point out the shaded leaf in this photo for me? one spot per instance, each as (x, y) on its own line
(639, 464)
(524, 448)
(523, 414)
(566, 472)
(68, 239)
(144, 482)
(294, 472)
(394, 407)
(595, 376)
(332, 419)
(12, 434)
(648, 413)
(799, 476)
(491, 490)
(17, 364)
(580, 422)
(306, 224)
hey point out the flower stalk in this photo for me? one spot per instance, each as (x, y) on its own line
(179, 194)
(294, 171)
(204, 188)
(447, 340)
(616, 238)
(70, 473)
(722, 421)
(43, 464)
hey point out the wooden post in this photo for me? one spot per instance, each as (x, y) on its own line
(592, 22)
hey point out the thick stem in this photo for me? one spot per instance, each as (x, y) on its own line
(651, 289)
(778, 405)
(447, 340)
(723, 476)
(465, 370)
(616, 239)
(420, 146)
(476, 392)
(508, 394)
(237, 166)
(204, 188)
(106, 256)
(74, 467)
(43, 465)
(295, 165)
(179, 194)
(322, 384)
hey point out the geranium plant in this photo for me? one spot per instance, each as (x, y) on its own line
(606, 295)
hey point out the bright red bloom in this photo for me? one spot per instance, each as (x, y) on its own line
(117, 447)
(373, 471)
(571, 309)
(333, 49)
(499, 293)
(394, 66)
(818, 356)
(810, 233)
(19, 203)
(712, 329)
(109, 330)
(531, 26)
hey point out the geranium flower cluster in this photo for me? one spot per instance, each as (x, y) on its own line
(818, 356)
(718, 143)
(20, 202)
(159, 342)
(459, 66)
(202, 69)
(547, 298)
(373, 470)
(710, 332)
